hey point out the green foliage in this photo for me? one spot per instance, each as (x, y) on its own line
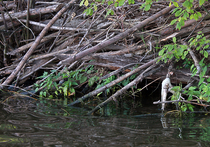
(104, 82)
(180, 52)
(112, 78)
(67, 81)
(185, 13)
(173, 50)
(181, 13)
(147, 5)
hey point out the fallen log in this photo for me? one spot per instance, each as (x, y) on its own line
(36, 11)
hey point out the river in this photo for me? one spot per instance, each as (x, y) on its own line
(40, 126)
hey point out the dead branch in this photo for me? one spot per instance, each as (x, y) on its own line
(115, 39)
(114, 82)
(38, 11)
(121, 91)
(25, 47)
(37, 41)
(185, 101)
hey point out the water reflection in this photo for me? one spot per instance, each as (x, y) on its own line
(34, 129)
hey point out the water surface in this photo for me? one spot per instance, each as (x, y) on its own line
(34, 129)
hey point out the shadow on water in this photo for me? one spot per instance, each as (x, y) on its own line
(34, 127)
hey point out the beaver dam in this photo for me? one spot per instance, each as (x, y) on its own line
(79, 50)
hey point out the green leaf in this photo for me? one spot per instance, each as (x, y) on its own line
(112, 12)
(201, 81)
(121, 2)
(89, 11)
(142, 6)
(44, 94)
(89, 71)
(184, 108)
(178, 13)
(36, 89)
(81, 3)
(191, 16)
(176, 88)
(182, 22)
(185, 15)
(191, 11)
(92, 80)
(174, 39)
(171, 47)
(199, 14)
(206, 54)
(176, 9)
(95, 7)
(190, 107)
(196, 16)
(65, 91)
(56, 92)
(110, 2)
(161, 52)
(187, 4)
(201, 2)
(192, 67)
(86, 3)
(147, 7)
(74, 83)
(201, 63)
(184, 55)
(179, 51)
(176, 4)
(131, 2)
(178, 26)
(206, 46)
(173, 21)
(192, 88)
(72, 90)
(83, 79)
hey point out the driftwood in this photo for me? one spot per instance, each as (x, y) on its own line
(114, 82)
(18, 15)
(120, 92)
(37, 41)
(116, 38)
(69, 38)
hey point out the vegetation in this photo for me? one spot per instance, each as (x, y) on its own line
(123, 69)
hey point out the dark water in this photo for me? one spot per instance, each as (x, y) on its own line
(37, 127)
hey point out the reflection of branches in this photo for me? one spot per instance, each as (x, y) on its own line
(189, 102)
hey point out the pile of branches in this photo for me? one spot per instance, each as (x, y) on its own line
(38, 36)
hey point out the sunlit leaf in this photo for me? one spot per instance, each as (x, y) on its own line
(121, 2)
(206, 54)
(176, 4)
(86, 3)
(201, 2)
(81, 3)
(174, 39)
(147, 7)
